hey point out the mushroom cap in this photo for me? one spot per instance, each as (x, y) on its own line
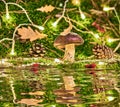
(70, 38)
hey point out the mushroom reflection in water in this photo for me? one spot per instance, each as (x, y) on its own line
(68, 42)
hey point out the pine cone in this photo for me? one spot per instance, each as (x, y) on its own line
(36, 85)
(102, 51)
(37, 50)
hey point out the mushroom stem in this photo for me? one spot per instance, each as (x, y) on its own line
(69, 52)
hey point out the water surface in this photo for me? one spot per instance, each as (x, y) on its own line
(47, 86)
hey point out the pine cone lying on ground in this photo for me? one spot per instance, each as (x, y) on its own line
(102, 51)
(37, 50)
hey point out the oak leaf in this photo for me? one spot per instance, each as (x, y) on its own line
(69, 82)
(34, 93)
(30, 101)
(68, 30)
(46, 8)
(68, 94)
(29, 33)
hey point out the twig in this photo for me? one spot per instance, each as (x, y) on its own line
(3, 1)
(13, 91)
(99, 60)
(89, 32)
(117, 47)
(6, 45)
(0, 24)
(112, 27)
(67, 9)
(117, 18)
(64, 8)
(53, 51)
(79, 24)
(5, 39)
(23, 10)
(13, 40)
(46, 20)
(18, 1)
(63, 13)
(18, 11)
(94, 4)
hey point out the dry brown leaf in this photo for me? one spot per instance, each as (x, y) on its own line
(30, 101)
(46, 8)
(29, 33)
(38, 36)
(69, 82)
(68, 96)
(34, 93)
(68, 30)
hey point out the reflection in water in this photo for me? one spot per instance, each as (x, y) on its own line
(105, 88)
(53, 87)
(67, 94)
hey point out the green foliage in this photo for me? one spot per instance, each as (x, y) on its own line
(6, 104)
(18, 17)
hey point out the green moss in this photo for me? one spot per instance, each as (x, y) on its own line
(18, 17)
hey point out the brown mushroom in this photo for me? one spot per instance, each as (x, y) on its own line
(68, 42)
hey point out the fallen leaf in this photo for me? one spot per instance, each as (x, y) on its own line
(69, 82)
(98, 27)
(46, 8)
(68, 94)
(34, 93)
(68, 30)
(30, 101)
(29, 33)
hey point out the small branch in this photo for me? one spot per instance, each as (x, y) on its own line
(3, 1)
(46, 20)
(5, 39)
(53, 51)
(64, 8)
(6, 45)
(67, 19)
(99, 60)
(23, 10)
(117, 18)
(79, 24)
(112, 27)
(89, 32)
(18, 1)
(63, 13)
(94, 4)
(13, 91)
(67, 9)
(13, 41)
(118, 46)
(18, 11)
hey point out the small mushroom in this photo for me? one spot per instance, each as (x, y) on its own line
(68, 42)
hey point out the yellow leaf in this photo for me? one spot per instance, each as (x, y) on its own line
(68, 30)
(34, 93)
(30, 101)
(69, 82)
(46, 8)
(29, 33)
(23, 31)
